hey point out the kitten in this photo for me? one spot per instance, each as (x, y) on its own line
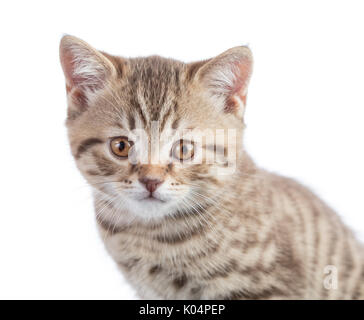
(179, 228)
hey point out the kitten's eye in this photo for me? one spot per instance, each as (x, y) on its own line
(120, 146)
(183, 150)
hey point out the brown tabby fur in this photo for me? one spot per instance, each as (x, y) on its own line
(248, 235)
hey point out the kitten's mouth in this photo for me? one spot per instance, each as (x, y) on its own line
(152, 198)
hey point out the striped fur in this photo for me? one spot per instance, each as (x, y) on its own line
(246, 235)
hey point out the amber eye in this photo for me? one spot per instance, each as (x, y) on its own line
(120, 146)
(183, 150)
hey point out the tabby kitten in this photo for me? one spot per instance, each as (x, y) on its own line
(184, 229)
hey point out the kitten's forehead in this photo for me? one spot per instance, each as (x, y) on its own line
(155, 74)
(149, 90)
(155, 86)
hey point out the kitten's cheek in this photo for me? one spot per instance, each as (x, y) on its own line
(163, 196)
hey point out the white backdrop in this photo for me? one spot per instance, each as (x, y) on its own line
(305, 117)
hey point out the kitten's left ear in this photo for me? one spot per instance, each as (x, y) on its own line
(227, 76)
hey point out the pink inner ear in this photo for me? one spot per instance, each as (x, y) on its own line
(68, 62)
(237, 89)
(74, 82)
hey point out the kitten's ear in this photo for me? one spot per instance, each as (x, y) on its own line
(86, 70)
(226, 77)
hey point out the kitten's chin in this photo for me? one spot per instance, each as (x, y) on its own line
(149, 208)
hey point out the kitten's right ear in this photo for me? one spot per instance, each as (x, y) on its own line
(86, 70)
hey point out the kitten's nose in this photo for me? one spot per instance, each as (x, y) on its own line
(151, 184)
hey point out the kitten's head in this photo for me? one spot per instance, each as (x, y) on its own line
(151, 135)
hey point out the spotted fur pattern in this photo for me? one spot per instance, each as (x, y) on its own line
(246, 235)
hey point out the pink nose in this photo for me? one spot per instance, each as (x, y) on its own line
(151, 184)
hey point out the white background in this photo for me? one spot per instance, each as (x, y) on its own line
(305, 117)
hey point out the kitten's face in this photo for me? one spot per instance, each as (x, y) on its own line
(151, 135)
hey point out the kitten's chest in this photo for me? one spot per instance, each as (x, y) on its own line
(186, 261)
(157, 272)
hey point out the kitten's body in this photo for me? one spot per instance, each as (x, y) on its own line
(245, 235)
(273, 241)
